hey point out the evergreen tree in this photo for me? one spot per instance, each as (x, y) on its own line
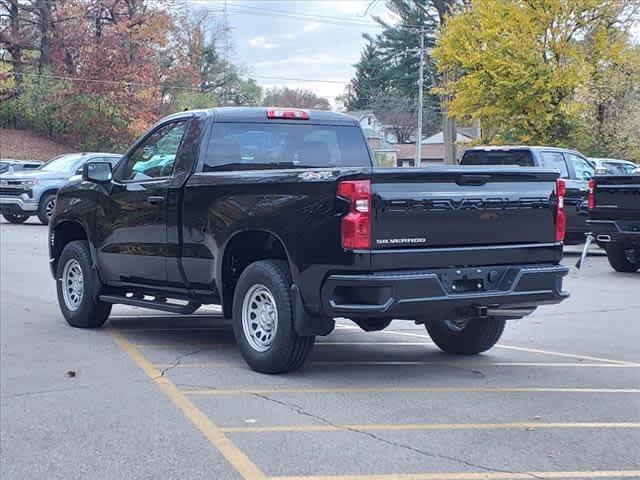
(371, 78)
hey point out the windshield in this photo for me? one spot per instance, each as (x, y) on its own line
(63, 164)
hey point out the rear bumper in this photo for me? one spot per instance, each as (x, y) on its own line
(619, 231)
(444, 293)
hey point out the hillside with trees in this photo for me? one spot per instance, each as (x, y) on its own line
(97, 73)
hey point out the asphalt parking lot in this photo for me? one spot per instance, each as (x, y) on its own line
(167, 397)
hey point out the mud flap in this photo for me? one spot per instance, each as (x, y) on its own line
(305, 324)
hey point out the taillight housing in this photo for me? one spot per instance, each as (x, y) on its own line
(591, 201)
(355, 228)
(561, 218)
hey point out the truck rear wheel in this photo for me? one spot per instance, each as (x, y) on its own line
(263, 319)
(79, 286)
(465, 338)
(15, 217)
(623, 259)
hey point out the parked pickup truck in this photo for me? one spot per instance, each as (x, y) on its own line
(614, 218)
(574, 168)
(280, 216)
(29, 192)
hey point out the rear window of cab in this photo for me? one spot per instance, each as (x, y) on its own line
(523, 158)
(251, 146)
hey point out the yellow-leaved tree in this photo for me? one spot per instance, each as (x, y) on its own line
(526, 68)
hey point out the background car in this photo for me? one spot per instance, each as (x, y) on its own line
(9, 165)
(113, 160)
(613, 166)
(27, 193)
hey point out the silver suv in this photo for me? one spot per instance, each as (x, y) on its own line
(27, 193)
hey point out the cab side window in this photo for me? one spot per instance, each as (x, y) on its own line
(156, 156)
(556, 161)
(584, 170)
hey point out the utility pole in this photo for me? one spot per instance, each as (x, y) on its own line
(449, 128)
(420, 101)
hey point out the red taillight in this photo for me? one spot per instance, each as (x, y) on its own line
(355, 229)
(288, 113)
(561, 219)
(592, 194)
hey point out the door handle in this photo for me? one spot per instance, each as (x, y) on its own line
(155, 200)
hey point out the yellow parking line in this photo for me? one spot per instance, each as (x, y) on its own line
(428, 426)
(365, 363)
(181, 345)
(526, 349)
(476, 476)
(475, 364)
(160, 366)
(266, 391)
(245, 467)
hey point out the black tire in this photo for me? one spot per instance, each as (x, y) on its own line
(479, 335)
(15, 217)
(43, 209)
(91, 312)
(623, 260)
(372, 324)
(287, 350)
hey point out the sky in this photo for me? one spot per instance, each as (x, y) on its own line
(311, 44)
(316, 41)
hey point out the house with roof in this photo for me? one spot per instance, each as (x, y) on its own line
(369, 120)
(432, 148)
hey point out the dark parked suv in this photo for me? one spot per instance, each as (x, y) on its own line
(574, 168)
(281, 217)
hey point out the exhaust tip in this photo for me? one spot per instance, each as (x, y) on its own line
(603, 238)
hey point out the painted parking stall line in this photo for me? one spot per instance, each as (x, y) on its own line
(243, 465)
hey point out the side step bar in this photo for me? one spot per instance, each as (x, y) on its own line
(156, 304)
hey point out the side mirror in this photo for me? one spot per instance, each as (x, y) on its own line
(97, 172)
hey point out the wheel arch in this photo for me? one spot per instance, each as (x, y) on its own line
(48, 191)
(62, 234)
(240, 250)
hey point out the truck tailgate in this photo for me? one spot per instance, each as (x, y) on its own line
(618, 196)
(462, 206)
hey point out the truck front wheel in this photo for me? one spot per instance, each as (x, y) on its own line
(467, 337)
(623, 259)
(263, 319)
(46, 207)
(79, 287)
(15, 217)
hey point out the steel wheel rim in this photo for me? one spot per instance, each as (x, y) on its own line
(457, 325)
(72, 284)
(259, 317)
(48, 208)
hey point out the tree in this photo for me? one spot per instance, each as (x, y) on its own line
(371, 78)
(100, 72)
(387, 75)
(289, 97)
(523, 62)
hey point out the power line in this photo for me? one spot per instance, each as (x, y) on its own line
(261, 12)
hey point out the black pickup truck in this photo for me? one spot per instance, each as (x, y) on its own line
(280, 216)
(614, 218)
(575, 169)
